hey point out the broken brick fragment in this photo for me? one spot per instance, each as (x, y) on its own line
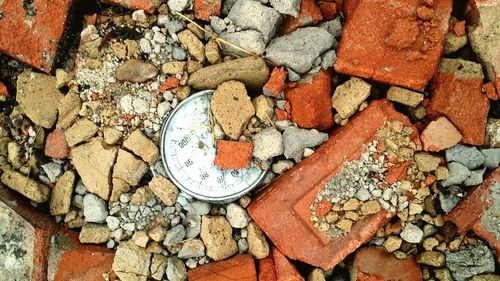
(489, 89)
(267, 271)
(3, 90)
(440, 134)
(322, 208)
(239, 268)
(276, 82)
(233, 154)
(41, 24)
(397, 172)
(170, 83)
(56, 145)
(310, 102)
(373, 264)
(329, 10)
(281, 114)
(459, 28)
(147, 5)
(204, 9)
(457, 94)
(309, 14)
(392, 48)
(285, 270)
(473, 211)
(283, 211)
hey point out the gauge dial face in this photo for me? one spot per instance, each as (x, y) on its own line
(188, 151)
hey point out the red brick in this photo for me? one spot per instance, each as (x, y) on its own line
(348, 7)
(397, 172)
(322, 208)
(459, 28)
(77, 262)
(36, 227)
(281, 114)
(470, 209)
(309, 14)
(440, 134)
(285, 270)
(170, 83)
(56, 145)
(267, 271)
(3, 90)
(233, 154)
(329, 10)
(276, 82)
(204, 9)
(373, 264)
(283, 211)
(489, 89)
(392, 47)
(461, 100)
(239, 268)
(146, 5)
(32, 35)
(310, 102)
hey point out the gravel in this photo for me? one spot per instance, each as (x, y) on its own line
(94, 208)
(174, 235)
(412, 234)
(457, 174)
(237, 216)
(197, 208)
(268, 143)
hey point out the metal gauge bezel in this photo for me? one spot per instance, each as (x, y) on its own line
(163, 134)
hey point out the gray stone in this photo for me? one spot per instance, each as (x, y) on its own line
(299, 49)
(249, 40)
(113, 222)
(237, 216)
(457, 174)
(328, 59)
(94, 208)
(334, 27)
(249, 14)
(295, 140)
(174, 235)
(176, 269)
(193, 248)
(491, 157)
(17, 240)
(475, 177)
(469, 156)
(412, 234)
(287, 7)
(268, 143)
(363, 194)
(197, 208)
(52, 170)
(226, 6)
(242, 245)
(470, 260)
(179, 54)
(218, 25)
(178, 5)
(450, 197)
(192, 224)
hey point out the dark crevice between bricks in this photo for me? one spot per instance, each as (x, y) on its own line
(29, 9)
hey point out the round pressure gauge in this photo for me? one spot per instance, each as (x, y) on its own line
(188, 150)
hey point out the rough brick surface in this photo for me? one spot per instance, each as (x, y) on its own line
(329, 10)
(267, 271)
(310, 102)
(3, 90)
(276, 82)
(309, 14)
(239, 268)
(56, 145)
(457, 94)
(204, 9)
(373, 264)
(392, 47)
(285, 270)
(146, 5)
(283, 211)
(32, 34)
(233, 154)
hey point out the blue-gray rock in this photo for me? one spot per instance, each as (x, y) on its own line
(249, 14)
(469, 156)
(334, 27)
(197, 208)
(475, 177)
(94, 208)
(176, 269)
(249, 40)
(457, 174)
(491, 157)
(299, 49)
(489, 219)
(218, 25)
(178, 5)
(174, 235)
(450, 197)
(192, 223)
(470, 260)
(295, 140)
(287, 7)
(328, 59)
